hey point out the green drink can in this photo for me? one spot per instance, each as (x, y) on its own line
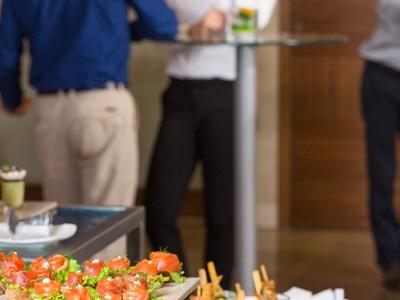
(12, 186)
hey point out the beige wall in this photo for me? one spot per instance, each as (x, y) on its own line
(148, 81)
(17, 145)
(267, 131)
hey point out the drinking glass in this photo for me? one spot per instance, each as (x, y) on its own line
(13, 193)
(244, 17)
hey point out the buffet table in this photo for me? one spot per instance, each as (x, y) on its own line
(97, 227)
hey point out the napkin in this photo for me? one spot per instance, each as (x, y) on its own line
(296, 293)
(324, 295)
(339, 294)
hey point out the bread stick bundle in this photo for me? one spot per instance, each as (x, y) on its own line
(209, 290)
(265, 287)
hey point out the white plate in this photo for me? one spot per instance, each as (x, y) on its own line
(36, 234)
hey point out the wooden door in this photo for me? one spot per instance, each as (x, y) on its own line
(323, 168)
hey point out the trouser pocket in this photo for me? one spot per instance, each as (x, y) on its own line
(91, 135)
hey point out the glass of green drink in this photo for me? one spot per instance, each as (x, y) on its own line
(245, 20)
(12, 186)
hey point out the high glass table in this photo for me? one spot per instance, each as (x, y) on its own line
(245, 129)
(97, 228)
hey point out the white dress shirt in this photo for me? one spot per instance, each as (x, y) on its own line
(384, 45)
(208, 62)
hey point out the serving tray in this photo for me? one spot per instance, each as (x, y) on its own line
(173, 291)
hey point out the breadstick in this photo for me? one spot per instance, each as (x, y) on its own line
(240, 295)
(264, 273)
(215, 279)
(257, 282)
(213, 272)
(203, 277)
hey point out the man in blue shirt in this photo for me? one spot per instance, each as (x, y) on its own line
(86, 129)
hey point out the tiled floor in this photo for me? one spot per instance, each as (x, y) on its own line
(312, 259)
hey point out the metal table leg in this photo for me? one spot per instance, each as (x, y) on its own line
(142, 239)
(133, 245)
(245, 116)
(135, 242)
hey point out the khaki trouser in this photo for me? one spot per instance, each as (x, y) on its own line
(87, 145)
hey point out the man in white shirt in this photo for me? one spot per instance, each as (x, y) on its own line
(197, 125)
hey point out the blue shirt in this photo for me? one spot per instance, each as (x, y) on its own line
(75, 44)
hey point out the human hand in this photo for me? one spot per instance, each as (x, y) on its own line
(213, 21)
(22, 109)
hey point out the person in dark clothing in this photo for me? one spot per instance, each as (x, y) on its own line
(381, 112)
(197, 126)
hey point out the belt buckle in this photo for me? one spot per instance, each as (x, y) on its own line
(114, 85)
(110, 85)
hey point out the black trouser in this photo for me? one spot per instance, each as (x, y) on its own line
(197, 125)
(381, 110)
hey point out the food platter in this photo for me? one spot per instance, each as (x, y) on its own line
(64, 278)
(170, 291)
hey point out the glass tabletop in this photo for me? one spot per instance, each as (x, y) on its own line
(86, 219)
(258, 39)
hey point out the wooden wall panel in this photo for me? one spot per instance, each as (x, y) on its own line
(321, 123)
